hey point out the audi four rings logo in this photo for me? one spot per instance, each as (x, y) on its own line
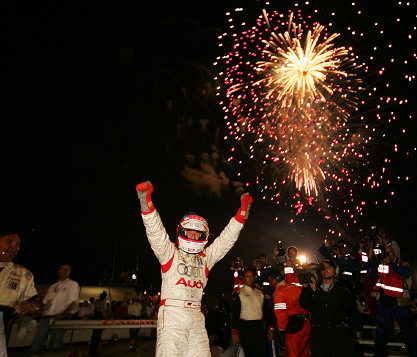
(189, 270)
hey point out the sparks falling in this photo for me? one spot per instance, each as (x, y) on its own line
(297, 105)
(305, 93)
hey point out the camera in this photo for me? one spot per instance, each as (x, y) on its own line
(366, 243)
(379, 251)
(237, 263)
(281, 250)
(378, 247)
(305, 272)
(374, 234)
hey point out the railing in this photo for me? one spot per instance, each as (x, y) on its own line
(101, 324)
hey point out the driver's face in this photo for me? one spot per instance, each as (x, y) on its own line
(191, 234)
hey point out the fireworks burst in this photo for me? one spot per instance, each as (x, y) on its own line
(295, 103)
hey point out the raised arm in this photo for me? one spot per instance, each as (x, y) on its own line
(155, 230)
(223, 243)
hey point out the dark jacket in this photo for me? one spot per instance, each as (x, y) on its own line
(328, 309)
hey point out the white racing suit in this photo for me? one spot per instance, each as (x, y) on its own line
(181, 329)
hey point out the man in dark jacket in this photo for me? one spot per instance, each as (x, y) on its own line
(329, 304)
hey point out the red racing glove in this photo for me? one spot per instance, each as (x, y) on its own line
(144, 191)
(243, 212)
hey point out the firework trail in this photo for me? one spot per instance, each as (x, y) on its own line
(294, 95)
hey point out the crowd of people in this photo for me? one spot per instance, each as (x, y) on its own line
(319, 307)
(316, 309)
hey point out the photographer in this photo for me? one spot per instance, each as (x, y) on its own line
(276, 265)
(260, 265)
(330, 303)
(236, 273)
(291, 276)
(339, 253)
(394, 282)
(364, 257)
(382, 238)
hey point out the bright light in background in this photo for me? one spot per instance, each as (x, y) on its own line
(303, 259)
(134, 277)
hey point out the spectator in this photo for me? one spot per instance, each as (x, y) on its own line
(101, 312)
(347, 265)
(134, 309)
(393, 285)
(59, 303)
(84, 311)
(249, 309)
(236, 272)
(149, 309)
(17, 288)
(218, 323)
(120, 310)
(382, 237)
(292, 260)
(276, 264)
(330, 303)
(92, 303)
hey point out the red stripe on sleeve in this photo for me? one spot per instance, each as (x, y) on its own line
(165, 267)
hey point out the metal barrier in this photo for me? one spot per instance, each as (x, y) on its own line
(101, 324)
(80, 330)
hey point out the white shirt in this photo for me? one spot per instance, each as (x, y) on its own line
(16, 284)
(251, 303)
(134, 309)
(60, 296)
(84, 311)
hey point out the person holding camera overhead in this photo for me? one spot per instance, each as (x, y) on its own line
(276, 264)
(236, 273)
(393, 285)
(291, 276)
(330, 303)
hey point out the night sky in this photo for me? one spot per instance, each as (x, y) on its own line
(98, 97)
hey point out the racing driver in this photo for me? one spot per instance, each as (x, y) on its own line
(185, 268)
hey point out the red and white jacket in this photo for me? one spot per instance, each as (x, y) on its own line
(184, 275)
(391, 282)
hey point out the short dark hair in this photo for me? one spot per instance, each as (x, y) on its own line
(249, 269)
(273, 274)
(67, 264)
(330, 262)
(4, 231)
(261, 255)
